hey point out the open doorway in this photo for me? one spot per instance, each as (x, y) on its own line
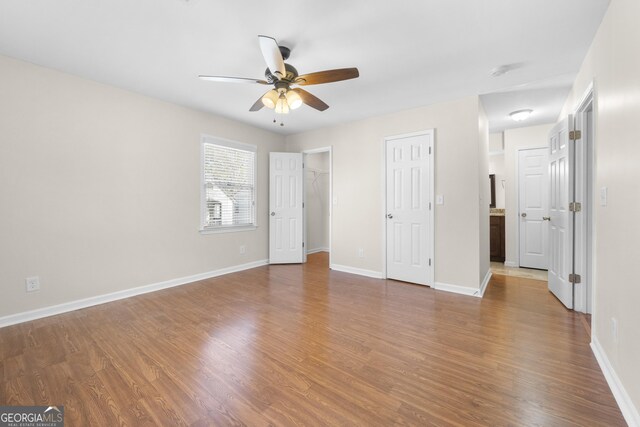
(318, 198)
(584, 223)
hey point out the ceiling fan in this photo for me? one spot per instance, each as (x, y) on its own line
(285, 78)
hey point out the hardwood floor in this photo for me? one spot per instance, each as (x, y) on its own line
(294, 345)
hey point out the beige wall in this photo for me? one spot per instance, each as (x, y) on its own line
(496, 142)
(613, 64)
(358, 186)
(317, 200)
(100, 189)
(485, 192)
(514, 140)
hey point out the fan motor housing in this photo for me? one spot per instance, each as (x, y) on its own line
(291, 74)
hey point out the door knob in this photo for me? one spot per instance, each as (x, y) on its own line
(389, 216)
(546, 218)
(523, 214)
(273, 214)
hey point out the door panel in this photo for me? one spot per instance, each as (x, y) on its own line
(409, 240)
(285, 208)
(533, 174)
(561, 226)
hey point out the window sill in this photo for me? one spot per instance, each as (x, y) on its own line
(231, 229)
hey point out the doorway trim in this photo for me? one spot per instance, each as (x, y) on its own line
(328, 149)
(586, 194)
(383, 212)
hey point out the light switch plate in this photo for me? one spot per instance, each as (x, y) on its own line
(603, 196)
(439, 199)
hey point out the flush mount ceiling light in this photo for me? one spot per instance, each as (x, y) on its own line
(520, 115)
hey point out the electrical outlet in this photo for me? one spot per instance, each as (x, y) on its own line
(360, 253)
(243, 249)
(614, 329)
(33, 284)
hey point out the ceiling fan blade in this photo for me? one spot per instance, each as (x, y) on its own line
(311, 100)
(272, 56)
(225, 79)
(258, 104)
(327, 76)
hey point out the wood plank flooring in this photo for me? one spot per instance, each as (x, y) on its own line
(302, 345)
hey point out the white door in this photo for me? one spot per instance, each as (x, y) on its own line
(533, 183)
(561, 227)
(409, 232)
(285, 208)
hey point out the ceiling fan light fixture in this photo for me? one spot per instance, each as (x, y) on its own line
(293, 99)
(282, 107)
(270, 99)
(520, 115)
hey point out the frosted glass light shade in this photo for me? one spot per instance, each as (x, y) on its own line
(520, 115)
(293, 99)
(281, 106)
(270, 99)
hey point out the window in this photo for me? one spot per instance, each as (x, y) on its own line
(228, 180)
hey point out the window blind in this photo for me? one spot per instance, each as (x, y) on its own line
(229, 181)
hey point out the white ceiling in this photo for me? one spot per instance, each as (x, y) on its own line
(410, 53)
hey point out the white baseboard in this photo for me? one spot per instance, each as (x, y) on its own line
(313, 251)
(358, 271)
(511, 264)
(26, 316)
(485, 282)
(463, 290)
(629, 411)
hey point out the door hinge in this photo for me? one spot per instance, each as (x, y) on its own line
(429, 262)
(303, 205)
(574, 278)
(575, 207)
(429, 205)
(303, 244)
(429, 150)
(575, 135)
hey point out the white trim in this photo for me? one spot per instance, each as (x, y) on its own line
(588, 96)
(317, 150)
(316, 250)
(457, 289)
(432, 200)
(629, 411)
(329, 150)
(485, 283)
(39, 313)
(229, 229)
(585, 192)
(513, 264)
(216, 140)
(358, 271)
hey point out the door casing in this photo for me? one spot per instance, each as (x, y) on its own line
(329, 150)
